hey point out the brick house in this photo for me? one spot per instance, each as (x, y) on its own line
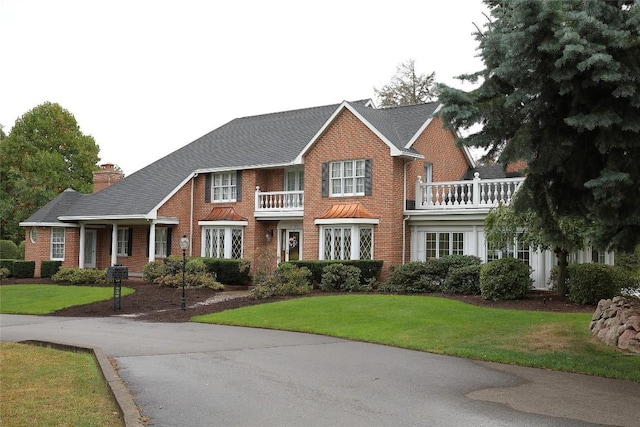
(342, 181)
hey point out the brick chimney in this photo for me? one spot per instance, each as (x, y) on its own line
(106, 176)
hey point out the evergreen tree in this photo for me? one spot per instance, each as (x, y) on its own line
(44, 154)
(561, 89)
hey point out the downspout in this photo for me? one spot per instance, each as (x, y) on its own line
(404, 207)
(404, 233)
(191, 216)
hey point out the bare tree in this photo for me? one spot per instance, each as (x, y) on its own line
(406, 87)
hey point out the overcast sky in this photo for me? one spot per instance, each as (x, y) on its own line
(145, 77)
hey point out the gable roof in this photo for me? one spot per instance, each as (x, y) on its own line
(268, 140)
(397, 127)
(49, 213)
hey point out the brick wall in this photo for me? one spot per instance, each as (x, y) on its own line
(347, 138)
(438, 147)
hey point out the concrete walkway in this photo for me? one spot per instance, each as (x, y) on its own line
(188, 374)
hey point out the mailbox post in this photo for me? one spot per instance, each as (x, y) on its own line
(116, 273)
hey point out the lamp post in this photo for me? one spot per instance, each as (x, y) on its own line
(184, 244)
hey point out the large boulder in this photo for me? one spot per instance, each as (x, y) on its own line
(616, 322)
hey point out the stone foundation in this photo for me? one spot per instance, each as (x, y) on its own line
(616, 322)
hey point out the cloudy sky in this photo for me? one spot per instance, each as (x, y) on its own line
(145, 77)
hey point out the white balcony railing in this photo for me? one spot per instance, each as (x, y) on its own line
(279, 201)
(472, 194)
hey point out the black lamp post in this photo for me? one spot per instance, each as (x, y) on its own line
(184, 244)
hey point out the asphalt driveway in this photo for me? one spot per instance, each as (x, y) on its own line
(188, 374)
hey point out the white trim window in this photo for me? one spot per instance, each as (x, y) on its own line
(439, 244)
(224, 187)
(346, 242)
(123, 241)
(347, 178)
(161, 243)
(517, 250)
(222, 242)
(57, 243)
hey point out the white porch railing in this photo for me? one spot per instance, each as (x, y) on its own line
(471, 194)
(279, 201)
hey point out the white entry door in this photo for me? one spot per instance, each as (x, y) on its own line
(291, 245)
(90, 249)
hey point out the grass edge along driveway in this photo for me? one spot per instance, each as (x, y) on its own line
(557, 341)
(45, 299)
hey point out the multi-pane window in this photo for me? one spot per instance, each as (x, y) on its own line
(222, 242)
(347, 242)
(57, 243)
(438, 244)
(517, 249)
(347, 178)
(223, 186)
(162, 236)
(123, 241)
(597, 256)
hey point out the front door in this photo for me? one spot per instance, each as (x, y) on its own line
(90, 249)
(291, 242)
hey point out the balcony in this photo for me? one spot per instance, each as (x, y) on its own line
(276, 204)
(475, 195)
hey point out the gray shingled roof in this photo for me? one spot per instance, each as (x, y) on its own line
(398, 124)
(243, 143)
(50, 212)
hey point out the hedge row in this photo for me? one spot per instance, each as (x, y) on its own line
(369, 269)
(18, 268)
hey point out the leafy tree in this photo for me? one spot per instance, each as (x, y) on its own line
(560, 89)
(406, 87)
(44, 154)
(506, 223)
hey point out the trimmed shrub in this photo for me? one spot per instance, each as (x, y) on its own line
(229, 271)
(504, 279)
(341, 277)
(591, 282)
(450, 262)
(196, 266)
(287, 279)
(414, 277)
(7, 264)
(8, 249)
(463, 280)
(152, 270)
(23, 269)
(49, 268)
(173, 264)
(21, 246)
(369, 269)
(80, 276)
(191, 280)
(4, 273)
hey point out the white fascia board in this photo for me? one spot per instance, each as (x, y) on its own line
(345, 105)
(224, 223)
(48, 224)
(103, 218)
(467, 153)
(153, 214)
(422, 128)
(373, 221)
(245, 167)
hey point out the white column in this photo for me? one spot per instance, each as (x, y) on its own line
(114, 245)
(152, 242)
(81, 246)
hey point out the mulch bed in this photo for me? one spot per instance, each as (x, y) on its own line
(157, 304)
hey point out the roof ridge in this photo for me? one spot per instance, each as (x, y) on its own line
(275, 113)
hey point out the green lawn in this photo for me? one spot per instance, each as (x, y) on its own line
(46, 387)
(45, 299)
(559, 341)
